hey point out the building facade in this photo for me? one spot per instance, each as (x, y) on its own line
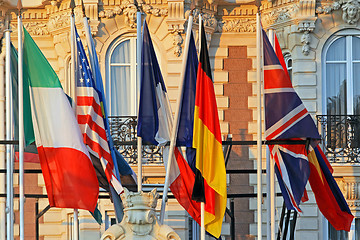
(320, 42)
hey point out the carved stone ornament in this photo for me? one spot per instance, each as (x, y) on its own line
(129, 9)
(237, 25)
(351, 190)
(280, 14)
(208, 18)
(34, 28)
(306, 27)
(350, 9)
(139, 220)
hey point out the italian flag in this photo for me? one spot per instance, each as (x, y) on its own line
(68, 172)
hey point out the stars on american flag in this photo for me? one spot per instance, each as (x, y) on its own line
(85, 78)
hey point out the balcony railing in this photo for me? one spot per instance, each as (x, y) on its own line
(123, 132)
(341, 137)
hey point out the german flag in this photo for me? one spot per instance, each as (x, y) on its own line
(210, 182)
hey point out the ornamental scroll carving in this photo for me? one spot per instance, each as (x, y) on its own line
(237, 25)
(34, 28)
(350, 189)
(306, 27)
(350, 10)
(280, 14)
(129, 9)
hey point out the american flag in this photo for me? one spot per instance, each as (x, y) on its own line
(90, 116)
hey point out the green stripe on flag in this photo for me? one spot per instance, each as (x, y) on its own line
(41, 74)
(28, 126)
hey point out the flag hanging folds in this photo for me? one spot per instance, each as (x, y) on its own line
(30, 152)
(208, 144)
(182, 187)
(328, 196)
(155, 119)
(69, 176)
(127, 175)
(287, 118)
(90, 117)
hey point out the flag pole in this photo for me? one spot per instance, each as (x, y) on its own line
(202, 204)
(21, 122)
(138, 69)
(259, 122)
(9, 159)
(73, 91)
(176, 119)
(271, 169)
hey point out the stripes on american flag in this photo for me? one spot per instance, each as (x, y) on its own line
(90, 116)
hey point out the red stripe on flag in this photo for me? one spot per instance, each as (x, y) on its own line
(89, 101)
(182, 189)
(287, 124)
(66, 187)
(97, 148)
(206, 101)
(326, 201)
(87, 119)
(278, 79)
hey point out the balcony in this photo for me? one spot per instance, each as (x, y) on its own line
(123, 132)
(340, 137)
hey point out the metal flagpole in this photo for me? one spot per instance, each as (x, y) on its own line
(21, 123)
(73, 95)
(272, 170)
(259, 123)
(202, 204)
(9, 148)
(176, 120)
(268, 200)
(138, 69)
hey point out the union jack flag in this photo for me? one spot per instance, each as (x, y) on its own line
(90, 116)
(286, 118)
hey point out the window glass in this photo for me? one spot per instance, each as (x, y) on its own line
(121, 87)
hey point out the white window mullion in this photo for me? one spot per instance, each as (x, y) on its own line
(349, 74)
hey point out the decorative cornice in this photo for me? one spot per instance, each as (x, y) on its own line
(350, 9)
(278, 15)
(237, 25)
(34, 28)
(128, 9)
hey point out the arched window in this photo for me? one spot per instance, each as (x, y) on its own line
(121, 79)
(342, 74)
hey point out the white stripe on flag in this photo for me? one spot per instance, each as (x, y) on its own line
(284, 120)
(273, 67)
(279, 90)
(54, 128)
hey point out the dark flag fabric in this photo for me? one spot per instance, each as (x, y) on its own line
(155, 120)
(210, 176)
(286, 118)
(329, 198)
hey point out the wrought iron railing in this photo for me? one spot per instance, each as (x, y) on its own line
(341, 137)
(123, 132)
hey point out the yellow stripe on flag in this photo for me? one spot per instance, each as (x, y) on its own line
(211, 164)
(313, 160)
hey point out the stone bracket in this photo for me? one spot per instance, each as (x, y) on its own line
(306, 27)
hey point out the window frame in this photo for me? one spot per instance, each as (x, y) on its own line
(348, 34)
(133, 73)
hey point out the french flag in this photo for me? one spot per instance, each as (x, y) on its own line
(155, 124)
